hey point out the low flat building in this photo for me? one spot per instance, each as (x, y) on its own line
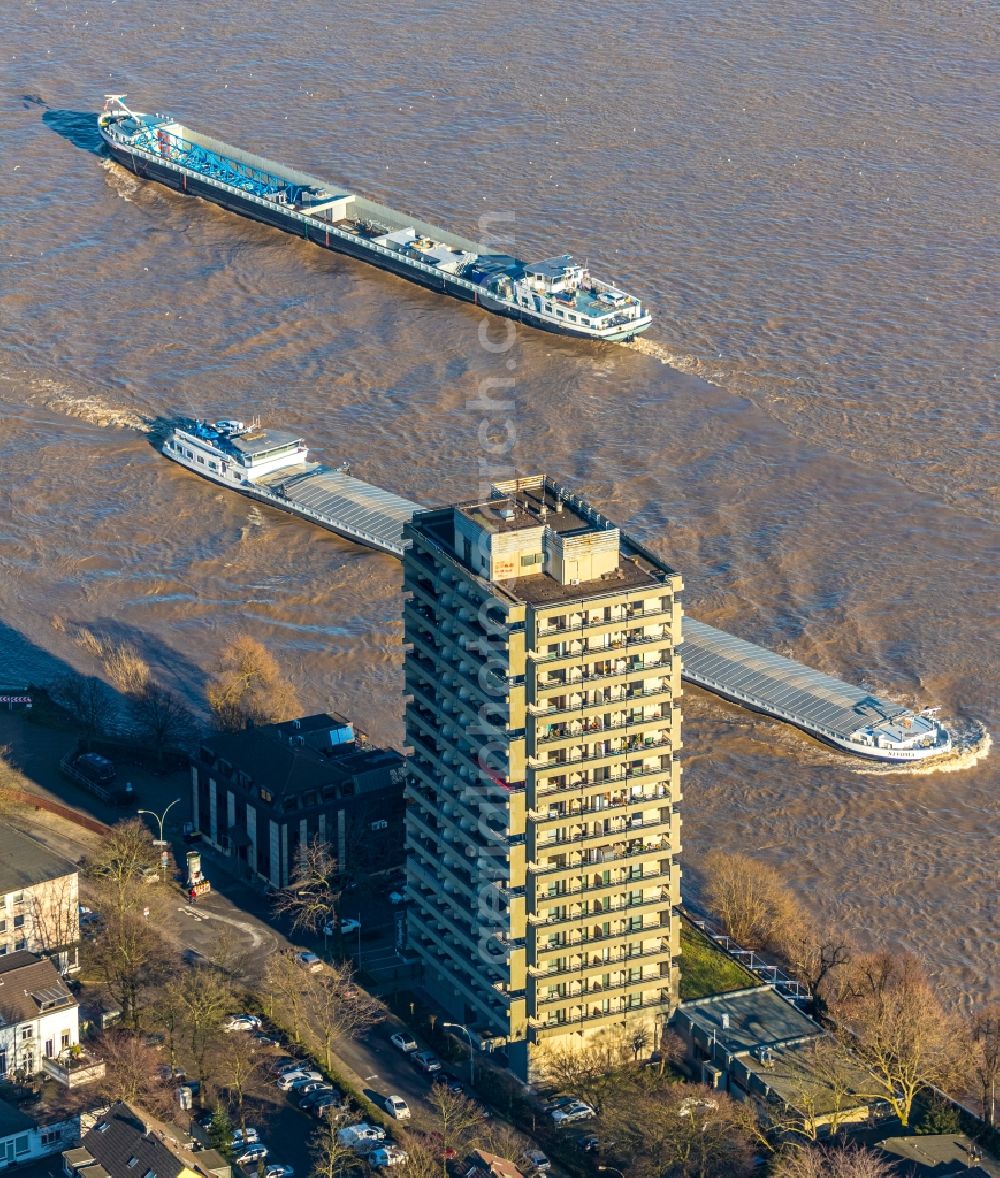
(39, 1017)
(755, 1044)
(39, 900)
(261, 794)
(940, 1155)
(26, 1137)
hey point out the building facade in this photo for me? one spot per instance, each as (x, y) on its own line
(39, 1017)
(39, 901)
(543, 687)
(262, 794)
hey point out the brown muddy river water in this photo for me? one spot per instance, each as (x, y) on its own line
(807, 197)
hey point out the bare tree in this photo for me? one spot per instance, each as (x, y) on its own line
(822, 1093)
(131, 1072)
(281, 994)
(129, 950)
(906, 1038)
(162, 718)
(592, 1068)
(751, 899)
(852, 1161)
(124, 666)
(455, 1122)
(336, 1009)
(249, 688)
(87, 700)
(683, 1130)
(203, 1001)
(331, 1158)
(985, 1034)
(310, 899)
(241, 1070)
(55, 917)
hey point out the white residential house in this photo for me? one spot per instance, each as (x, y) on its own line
(39, 901)
(23, 1138)
(39, 1016)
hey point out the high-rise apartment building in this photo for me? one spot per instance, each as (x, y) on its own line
(542, 682)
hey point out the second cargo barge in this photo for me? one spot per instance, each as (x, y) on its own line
(555, 294)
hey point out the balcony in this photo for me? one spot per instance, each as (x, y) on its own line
(621, 960)
(613, 804)
(628, 748)
(627, 615)
(597, 916)
(74, 1069)
(623, 1009)
(589, 704)
(659, 848)
(579, 729)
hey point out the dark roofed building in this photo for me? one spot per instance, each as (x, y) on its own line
(261, 794)
(128, 1143)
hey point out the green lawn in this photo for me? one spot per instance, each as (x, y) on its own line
(706, 970)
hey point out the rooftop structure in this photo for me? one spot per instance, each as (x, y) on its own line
(743, 1021)
(542, 830)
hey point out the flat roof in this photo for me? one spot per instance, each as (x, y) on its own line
(12, 1120)
(942, 1155)
(260, 441)
(25, 862)
(794, 1075)
(778, 683)
(757, 1018)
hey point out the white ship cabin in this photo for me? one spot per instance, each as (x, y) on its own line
(234, 450)
(560, 288)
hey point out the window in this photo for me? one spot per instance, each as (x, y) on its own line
(65, 1040)
(213, 465)
(3, 926)
(19, 921)
(201, 460)
(51, 1135)
(21, 1145)
(266, 795)
(20, 945)
(133, 1162)
(4, 949)
(27, 1031)
(380, 824)
(531, 558)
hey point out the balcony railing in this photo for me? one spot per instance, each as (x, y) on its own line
(636, 615)
(659, 847)
(628, 748)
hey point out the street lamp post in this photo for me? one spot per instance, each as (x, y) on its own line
(161, 841)
(472, 1050)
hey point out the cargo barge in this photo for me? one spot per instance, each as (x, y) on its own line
(272, 466)
(555, 294)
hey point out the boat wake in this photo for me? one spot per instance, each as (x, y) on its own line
(970, 746)
(691, 365)
(120, 179)
(90, 408)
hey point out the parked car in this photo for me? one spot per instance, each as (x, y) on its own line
(250, 1137)
(387, 1155)
(277, 1170)
(588, 1143)
(287, 1081)
(309, 961)
(241, 1022)
(563, 1100)
(451, 1082)
(404, 1041)
(304, 1087)
(320, 1093)
(322, 1108)
(362, 1136)
(426, 1062)
(252, 1153)
(571, 1113)
(265, 1039)
(396, 1107)
(285, 1064)
(537, 1161)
